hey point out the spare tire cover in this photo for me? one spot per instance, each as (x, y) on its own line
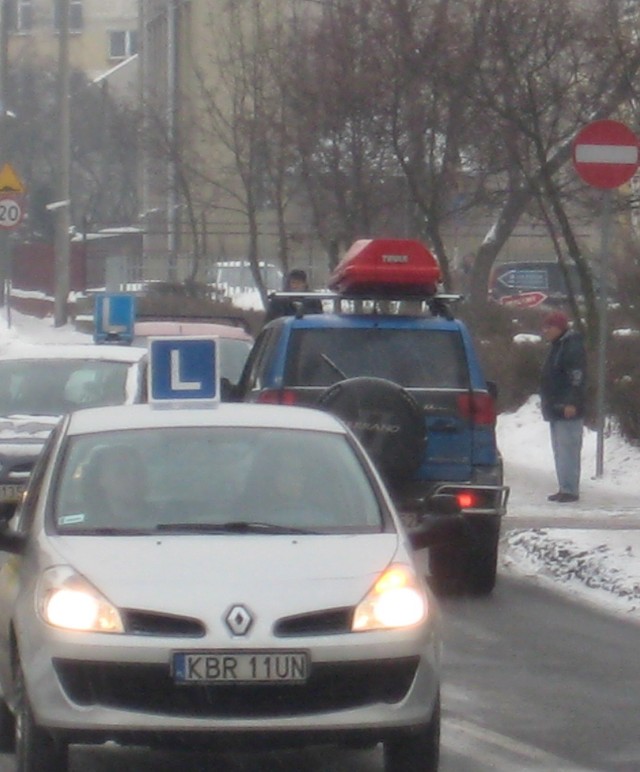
(385, 418)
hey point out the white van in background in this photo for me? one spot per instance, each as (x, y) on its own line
(233, 279)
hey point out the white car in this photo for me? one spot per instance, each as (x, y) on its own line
(39, 383)
(235, 574)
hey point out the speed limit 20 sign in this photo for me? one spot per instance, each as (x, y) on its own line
(11, 211)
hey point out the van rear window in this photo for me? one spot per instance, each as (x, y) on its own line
(428, 359)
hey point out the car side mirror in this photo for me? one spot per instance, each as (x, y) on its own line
(228, 391)
(11, 541)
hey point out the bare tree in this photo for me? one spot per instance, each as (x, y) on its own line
(103, 148)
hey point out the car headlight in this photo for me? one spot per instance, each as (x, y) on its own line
(68, 601)
(396, 600)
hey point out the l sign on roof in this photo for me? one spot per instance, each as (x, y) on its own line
(605, 154)
(183, 370)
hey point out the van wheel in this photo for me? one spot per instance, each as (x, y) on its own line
(36, 749)
(417, 751)
(447, 569)
(482, 555)
(469, 566)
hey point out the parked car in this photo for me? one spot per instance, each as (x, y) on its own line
(235, 341)
(40, 383)
(247, 581)
(408, 380)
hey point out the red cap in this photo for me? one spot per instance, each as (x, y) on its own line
(556, 319)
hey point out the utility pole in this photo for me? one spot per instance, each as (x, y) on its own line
(61, 206)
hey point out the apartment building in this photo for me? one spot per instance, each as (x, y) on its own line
(103, 33)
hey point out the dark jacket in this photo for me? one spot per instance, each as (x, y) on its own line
(289, 306)
(563, 378)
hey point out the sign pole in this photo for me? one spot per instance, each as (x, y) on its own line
(605, 155)
(602, 334)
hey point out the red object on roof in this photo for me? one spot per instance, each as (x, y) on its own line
(391, 268)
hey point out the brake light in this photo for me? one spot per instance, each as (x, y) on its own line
(479, 407)
(277, 397)
(467, 499)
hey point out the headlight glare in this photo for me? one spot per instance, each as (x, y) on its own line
(70, 602)
(396, 600)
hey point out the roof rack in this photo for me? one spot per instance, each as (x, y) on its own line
(437, 304)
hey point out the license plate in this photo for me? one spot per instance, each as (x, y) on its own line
(11, 493)
(230, 667)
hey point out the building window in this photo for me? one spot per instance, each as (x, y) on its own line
(19, 15)
(123, 43)
(75, 15)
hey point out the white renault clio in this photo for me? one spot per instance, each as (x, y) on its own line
(235, 574)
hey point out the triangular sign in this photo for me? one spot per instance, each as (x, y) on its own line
(9, 180)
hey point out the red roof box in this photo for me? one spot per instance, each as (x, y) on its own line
(388, 268)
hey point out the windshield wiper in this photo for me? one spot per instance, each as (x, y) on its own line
(110, 531)
(235, 526)
(334, 366)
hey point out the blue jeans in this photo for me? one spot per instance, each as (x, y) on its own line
(566, 442)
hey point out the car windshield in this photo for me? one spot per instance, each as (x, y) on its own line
(53, 387)
(414, 358)
(217, 480)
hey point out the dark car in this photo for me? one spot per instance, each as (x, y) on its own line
(411, 386)
(39, 383)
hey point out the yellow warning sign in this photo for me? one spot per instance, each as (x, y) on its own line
(9, 180)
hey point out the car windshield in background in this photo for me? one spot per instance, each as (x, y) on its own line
(233, 355)
(53, 387)
(413, 358)
(216, 480)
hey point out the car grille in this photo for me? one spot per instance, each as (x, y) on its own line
(150, 688)
(330, 622)
(149, 623)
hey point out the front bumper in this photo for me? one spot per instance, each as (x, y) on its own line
(95, 688)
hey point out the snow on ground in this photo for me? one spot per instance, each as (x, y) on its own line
(590, 549)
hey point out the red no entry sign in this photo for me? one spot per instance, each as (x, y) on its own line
(605, 154)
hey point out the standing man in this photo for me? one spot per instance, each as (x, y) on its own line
(295, 281)
(562, 394)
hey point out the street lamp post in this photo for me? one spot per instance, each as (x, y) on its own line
(61, 205)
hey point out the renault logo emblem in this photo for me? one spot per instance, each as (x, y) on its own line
(238, 620)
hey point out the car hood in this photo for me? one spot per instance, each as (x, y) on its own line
(203, 576)
(26, 428)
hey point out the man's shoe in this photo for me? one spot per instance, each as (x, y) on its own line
(566, 498)
(554, 496)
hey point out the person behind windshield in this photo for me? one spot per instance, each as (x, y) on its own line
(295, 281)
(115, 488)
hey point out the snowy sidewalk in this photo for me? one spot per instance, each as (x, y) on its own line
(600, 562)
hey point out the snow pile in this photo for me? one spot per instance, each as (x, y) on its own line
(579, 564)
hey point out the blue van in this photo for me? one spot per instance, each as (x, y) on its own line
(408, 381)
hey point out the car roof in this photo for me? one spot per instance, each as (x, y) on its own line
(120, 417)
(113, 353)
(178, 327)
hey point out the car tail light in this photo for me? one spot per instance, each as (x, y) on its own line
(479, 407)
(277, 397)
(468, 499)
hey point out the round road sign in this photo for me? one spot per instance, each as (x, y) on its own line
(10, 211)
(605, 154)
